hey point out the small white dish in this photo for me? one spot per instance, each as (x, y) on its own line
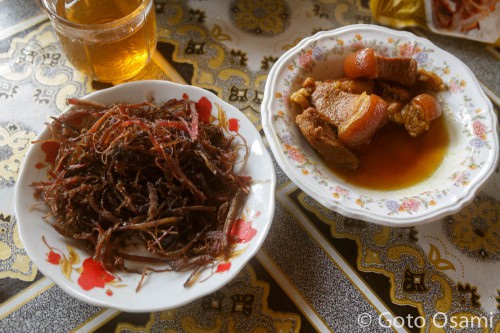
(471, 157)
(64, 262)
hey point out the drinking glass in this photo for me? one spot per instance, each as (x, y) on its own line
(109, 40)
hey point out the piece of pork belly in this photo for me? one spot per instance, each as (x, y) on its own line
(398, 70)
(333, 104)
(323, 139)
(357, 117)
(366, 64)
(366, 118)
(418, 114)
(354, 86)
(429, 81)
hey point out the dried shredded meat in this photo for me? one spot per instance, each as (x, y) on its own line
(158, 176)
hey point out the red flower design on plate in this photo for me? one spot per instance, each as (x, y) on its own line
(204, 108)
(305, 59)
(408, 50)
(296, 155)
(51, 149)
(93, 275)
(233, 124)
(242, 231)
(479, 128)
(54, 258)
(223, 267)
(410, 205)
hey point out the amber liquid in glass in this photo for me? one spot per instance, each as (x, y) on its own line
(110, 57)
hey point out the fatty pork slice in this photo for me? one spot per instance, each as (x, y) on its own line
(356, 117)
(333, 104)
(418, 114)
(366, 64)
(323, 139)
(303, 95)
(367, 117)
(429, 81)
(357, 86)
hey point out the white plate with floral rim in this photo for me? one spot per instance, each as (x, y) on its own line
(470, 120)
(73, 269)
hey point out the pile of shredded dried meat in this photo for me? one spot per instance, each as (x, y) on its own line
(158, 176)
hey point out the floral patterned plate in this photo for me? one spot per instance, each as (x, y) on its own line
(77, 273)
(471, 156)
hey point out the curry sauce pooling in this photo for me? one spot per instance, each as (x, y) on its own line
(393, 160)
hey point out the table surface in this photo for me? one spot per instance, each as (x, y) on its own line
(317, 270)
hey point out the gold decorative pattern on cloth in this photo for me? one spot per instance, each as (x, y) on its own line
(220, 44)
(476, 229)
(14, 263)
(424, 273)
(14, 143)
(265, 18)
(37, 60)
(239, 306)
(35, 75)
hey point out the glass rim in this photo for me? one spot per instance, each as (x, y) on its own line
(47, 5)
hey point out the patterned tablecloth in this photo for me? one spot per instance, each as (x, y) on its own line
(317, 270)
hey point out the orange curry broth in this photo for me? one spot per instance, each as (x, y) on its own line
(394, 160)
